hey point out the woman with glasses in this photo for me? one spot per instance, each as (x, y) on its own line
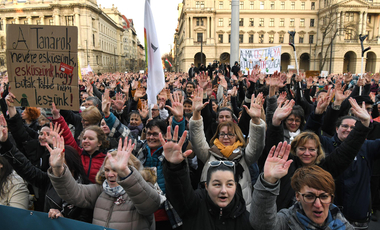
(314, 190)
(228, 142)
(220, 205)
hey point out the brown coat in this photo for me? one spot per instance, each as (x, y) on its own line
(141, 201)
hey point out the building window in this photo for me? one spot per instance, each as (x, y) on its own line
(241, 6)
(38, 22)
(199, 22)
(282, 22)
(271, 22)
(241, 36)
(301, 38)
(229, 22)
(281, 38)
(261, 38)
(272, 5)
(302, 22)
(197, 5)
(282, 5)
(261, 22)
(271, 38)
(312, 22)
(220, 5)
(311, 39)
(292, 5)
(348, 35)
(220, 38)
(51, 22)
(261, 5)
(229, 38)
(69, 20)
(202, 5)
(251, 5)
(220, 22)
(241, 21)
(313, 5)
(1, 25)
(26, 22)
(302, 5)
(199, 37)
(292, 22)
(250, 40)
(251, 22)
(369, 19)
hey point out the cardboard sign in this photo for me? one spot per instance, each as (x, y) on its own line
(66, 68)
(311, 73)
(35, 57)
(268, 59)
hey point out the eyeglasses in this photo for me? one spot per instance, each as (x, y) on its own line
(228, 135)
(154, 109)
(345, 126)
(148, 134)
(310, 198)
(215, 164)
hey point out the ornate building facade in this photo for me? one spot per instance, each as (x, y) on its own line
(101, 36)
(326, 32)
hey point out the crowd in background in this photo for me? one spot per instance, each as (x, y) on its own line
(120, 163)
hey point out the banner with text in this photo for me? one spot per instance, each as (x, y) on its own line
(15, 218)
(268, 59)
(42, 64)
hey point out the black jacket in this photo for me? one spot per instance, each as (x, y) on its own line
(196, 208)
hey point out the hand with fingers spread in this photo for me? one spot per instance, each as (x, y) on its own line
(360, 112)
(277, 163)
(3, 129)
(255, 110)
(322, 104)
(339, 93)
(223, 82)
(118, 104)
(55, 131)
(282, 112)
(120, 162)
(177, 106)
(173, 147)
(144, 112)
(57, 155)
(202, 80)
(281, 98)
(106, 103)
(198, 104)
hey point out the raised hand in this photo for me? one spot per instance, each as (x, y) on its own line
(3, 129)
(255, 110)
(360, 112)
(118, 104)
(282, 112)
(120, 162)
(55, 131)
(281, 98)
(57, 155)
(55, 111)
(144, 110)
(223, 82)
(323, 103)
(173, 147)
(277, 163)
(177, 106)
(10, 99)
(202, 80)
(106, 102)
(339, 93)
(198, 104)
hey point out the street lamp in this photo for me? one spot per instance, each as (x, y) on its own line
(86, 52)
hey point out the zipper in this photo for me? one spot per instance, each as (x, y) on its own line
(109, 214)
(89, 167)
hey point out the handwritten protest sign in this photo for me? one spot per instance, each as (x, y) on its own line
(42, 64)
(268, 59)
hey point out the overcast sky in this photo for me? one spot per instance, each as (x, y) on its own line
(164, 12)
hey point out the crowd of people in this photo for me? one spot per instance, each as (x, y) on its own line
(219, 150)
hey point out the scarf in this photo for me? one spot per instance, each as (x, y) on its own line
(136, 130)
(293, 135)
(227, 150)
(113, 192)
(336, 223)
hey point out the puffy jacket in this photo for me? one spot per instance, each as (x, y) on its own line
(141, 201)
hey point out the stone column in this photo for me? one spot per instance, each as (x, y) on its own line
(42, 18)
(212, 35)
(77, 23)
(208, 28)
(360, 22)
(4, 24)
(191, 27)
(342, 25)
(338, 22)
(378, 23)
(29, 20)
(16, 20)
(365, 24)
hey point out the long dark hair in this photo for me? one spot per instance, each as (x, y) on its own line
(74, 163)
(5, 171)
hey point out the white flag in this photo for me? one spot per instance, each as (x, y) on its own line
(156, 79)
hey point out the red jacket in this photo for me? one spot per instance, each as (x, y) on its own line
(91, 164)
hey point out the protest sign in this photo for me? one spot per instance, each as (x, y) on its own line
(311, 73)
(268, 59)
(324, 73)
(42, 64)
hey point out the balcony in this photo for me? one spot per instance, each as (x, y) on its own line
(351, 40)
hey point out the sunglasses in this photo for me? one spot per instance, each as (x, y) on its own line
(215, 164)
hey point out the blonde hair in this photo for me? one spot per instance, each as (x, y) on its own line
(148, 174)
(231, 126)
(302, 138)
(92, 115)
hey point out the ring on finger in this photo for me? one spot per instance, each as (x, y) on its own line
(54, 147)
(279, 156)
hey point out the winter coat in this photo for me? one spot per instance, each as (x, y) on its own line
(141, 200)
(15, 193)
(196, 208)
(263, 213)
(91, 163)
(245, 157)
